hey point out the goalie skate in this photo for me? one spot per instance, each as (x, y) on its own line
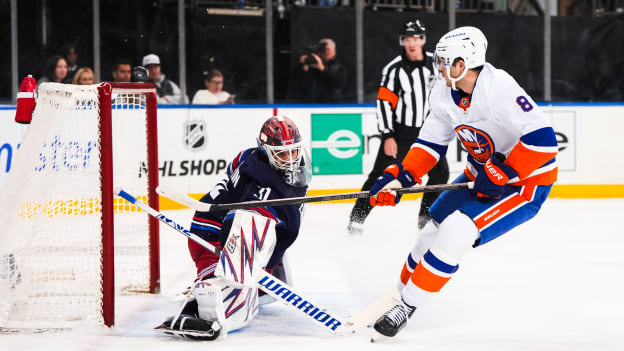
(190, 327)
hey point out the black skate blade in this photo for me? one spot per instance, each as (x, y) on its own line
(189, 334)
(193, 328)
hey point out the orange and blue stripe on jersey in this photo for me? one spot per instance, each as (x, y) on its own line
(533, 158)
(422, 157)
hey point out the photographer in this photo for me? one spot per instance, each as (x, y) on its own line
(322, 76)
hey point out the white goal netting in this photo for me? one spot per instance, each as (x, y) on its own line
(51, 216)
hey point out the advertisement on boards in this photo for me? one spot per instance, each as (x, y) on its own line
(337, 143)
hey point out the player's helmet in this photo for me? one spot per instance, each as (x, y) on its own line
(466, 43)
(412, 29)
(281, 142)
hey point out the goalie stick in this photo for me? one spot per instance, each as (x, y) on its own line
(182, 198)
(280, 290)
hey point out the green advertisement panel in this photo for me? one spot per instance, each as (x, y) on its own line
(337, 143)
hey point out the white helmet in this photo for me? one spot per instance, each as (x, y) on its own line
(466, 43)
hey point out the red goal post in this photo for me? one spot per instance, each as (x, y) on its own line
(105, 94)
(68, 247)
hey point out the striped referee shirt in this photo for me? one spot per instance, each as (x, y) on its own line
(403, 94)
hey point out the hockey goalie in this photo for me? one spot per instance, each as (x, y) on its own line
(224, 296)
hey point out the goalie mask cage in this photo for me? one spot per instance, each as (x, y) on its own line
(67, 247)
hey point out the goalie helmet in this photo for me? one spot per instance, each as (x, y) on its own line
(412, 29)
(280, 141)
(466, 43)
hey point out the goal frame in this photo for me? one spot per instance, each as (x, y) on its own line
(105, 93)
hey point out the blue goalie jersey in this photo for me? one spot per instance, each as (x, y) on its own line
(249, 177)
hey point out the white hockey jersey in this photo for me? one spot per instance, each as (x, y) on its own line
(499, 116)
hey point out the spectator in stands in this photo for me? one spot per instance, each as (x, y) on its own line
(55, 70)
(122, 71)
(214, 93)
(168, 92)
(70, 53)
(84, 76)
(322, 76)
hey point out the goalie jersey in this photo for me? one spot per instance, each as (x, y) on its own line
(499, 116)
(249, 177)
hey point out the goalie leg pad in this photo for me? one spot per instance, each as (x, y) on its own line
(232, 307)
(209, 300)
(247, 250)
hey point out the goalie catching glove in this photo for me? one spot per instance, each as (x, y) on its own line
(490, 183)
(393, 177)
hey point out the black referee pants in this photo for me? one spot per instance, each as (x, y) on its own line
(405, 137)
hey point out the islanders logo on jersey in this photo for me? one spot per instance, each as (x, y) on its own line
(477, 142)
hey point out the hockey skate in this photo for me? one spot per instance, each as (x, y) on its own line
(190, 327)
(202, 317)
(394, 319)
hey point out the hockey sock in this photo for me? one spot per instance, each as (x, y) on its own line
(455, 237)
(408, 268)
(424, 242)
(429, 276)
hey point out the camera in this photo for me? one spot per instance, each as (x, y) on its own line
(318, 49)
(139, 74)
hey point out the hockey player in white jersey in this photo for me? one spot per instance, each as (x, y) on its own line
(511, 160)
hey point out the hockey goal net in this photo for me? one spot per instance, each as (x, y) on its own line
(67, 246)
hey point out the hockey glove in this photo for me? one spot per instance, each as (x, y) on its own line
(490, 183)
(393, 177)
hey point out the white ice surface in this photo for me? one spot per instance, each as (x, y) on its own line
(554, 283)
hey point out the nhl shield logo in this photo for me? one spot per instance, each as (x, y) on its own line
(195, 137)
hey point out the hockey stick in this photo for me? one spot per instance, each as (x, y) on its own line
(182, 198)
(267, 283)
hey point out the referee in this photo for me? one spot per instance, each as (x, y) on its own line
(402, 106)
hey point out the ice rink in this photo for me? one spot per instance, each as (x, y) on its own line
(555, 283)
